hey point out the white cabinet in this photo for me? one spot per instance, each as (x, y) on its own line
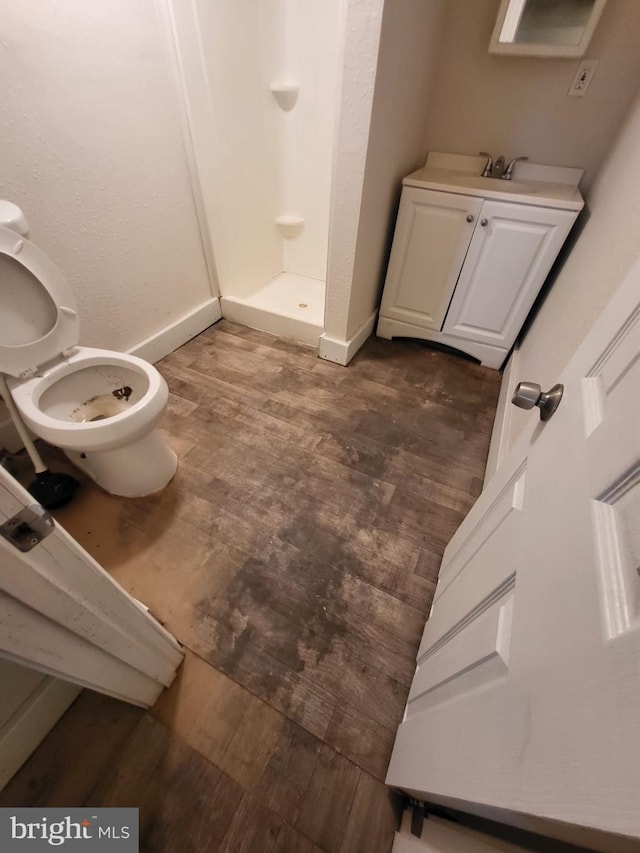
(465, 271)
(510, 254)
(432, 236)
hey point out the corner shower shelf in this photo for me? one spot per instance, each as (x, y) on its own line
(286, 94)
(290, 226)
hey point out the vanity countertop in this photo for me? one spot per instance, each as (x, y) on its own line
(544, 186)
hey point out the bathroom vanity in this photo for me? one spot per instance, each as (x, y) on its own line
(470, 253)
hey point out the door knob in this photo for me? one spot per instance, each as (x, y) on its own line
(470, 217)
(484, 222)
(530, 394)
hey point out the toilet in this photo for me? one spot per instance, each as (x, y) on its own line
(102, 408)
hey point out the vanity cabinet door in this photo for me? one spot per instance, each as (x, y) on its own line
(511, 253)
(431, 239)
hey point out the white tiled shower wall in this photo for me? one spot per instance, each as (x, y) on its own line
(269, 162)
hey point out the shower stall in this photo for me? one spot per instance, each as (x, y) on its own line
(261, 82)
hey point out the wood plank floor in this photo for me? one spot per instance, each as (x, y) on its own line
(295, 556)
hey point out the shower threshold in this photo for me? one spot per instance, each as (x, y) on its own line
(290, 306)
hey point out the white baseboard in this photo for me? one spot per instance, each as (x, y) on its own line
(501, 426)
(341, 352)
(32, 722)
(179, 332)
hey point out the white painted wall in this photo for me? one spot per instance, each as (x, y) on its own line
(604, 252)
(259, 161)
(92, 150)
(17, 683)
(361, 41)
(407, 63)
(517, 105)
(380, 139)
(30, 705)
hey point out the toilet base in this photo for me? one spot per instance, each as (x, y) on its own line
(133, 471)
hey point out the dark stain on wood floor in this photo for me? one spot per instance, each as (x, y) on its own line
(295, 557)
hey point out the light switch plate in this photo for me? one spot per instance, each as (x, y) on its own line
(583, 78)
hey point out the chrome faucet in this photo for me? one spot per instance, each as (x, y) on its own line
(488, 166)
(497, 168)
(508, 172)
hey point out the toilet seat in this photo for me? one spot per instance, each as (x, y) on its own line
(47, 344)
(53, 380)
(115, 431)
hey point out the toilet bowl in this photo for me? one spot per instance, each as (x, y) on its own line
(102, 408)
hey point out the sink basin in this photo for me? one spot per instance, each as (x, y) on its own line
(494, 184)
(535, 184)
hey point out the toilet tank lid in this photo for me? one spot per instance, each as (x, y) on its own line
(45, 330)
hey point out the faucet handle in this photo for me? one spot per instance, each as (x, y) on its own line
(488, 166)
(508, 172)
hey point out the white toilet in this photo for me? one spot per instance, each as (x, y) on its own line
(101, 407)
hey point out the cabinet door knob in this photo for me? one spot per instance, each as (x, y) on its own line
(470, 218)
(484, 222)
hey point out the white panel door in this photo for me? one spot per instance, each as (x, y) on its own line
(509, 258)
(527, 691)
(63, 615)
(431, 239)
